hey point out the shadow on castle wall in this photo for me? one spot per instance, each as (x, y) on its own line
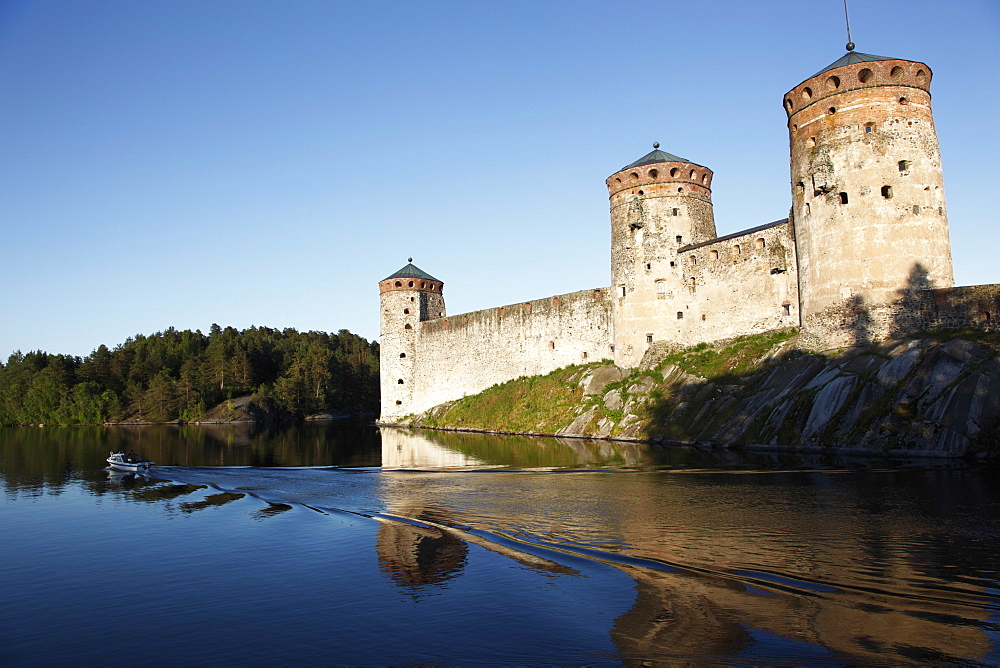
(936, 392)
(920, 307)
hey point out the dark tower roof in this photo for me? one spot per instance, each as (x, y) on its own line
(850, 58)
(411, 271)
(654, 156)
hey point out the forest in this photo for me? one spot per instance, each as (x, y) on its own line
(182, 375)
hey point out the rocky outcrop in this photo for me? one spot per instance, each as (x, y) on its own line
(914, 396)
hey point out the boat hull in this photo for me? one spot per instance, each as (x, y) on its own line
(119, 463)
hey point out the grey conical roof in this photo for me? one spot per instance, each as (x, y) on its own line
(412, 271)
(654, 156)
(850, 58)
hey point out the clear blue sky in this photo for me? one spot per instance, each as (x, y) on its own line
(182, 163)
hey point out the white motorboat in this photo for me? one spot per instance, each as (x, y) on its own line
(128, 461)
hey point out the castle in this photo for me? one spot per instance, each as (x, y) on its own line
(863, 255)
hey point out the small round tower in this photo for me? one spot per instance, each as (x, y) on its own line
(406, 298)
(867, 194)
(659, 203)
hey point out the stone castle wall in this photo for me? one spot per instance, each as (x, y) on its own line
(465, 354)
(743, 283)
(916, 309)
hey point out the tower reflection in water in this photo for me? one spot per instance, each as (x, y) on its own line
(832, 565)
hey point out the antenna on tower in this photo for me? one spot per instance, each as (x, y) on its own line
(847, 19)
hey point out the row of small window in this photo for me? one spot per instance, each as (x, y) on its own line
(411, 284)
(865, 75)
(786, 309)
(869, 127)
(674, 173)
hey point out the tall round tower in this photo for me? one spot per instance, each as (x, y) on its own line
(867, 194)
(659, 203)
(407, 298)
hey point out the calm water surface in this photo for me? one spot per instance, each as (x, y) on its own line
(334, 543)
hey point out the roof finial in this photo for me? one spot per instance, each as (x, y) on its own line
(847, 18)
(656, 144)
(409, 259)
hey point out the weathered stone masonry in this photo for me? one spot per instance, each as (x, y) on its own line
(863, 256)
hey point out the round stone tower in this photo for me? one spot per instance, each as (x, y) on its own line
(659, 203)
(868, 202)
(407, 298)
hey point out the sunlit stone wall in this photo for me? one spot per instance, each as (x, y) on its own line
(465, 354)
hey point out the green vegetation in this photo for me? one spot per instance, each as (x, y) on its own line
(175, 375)
(735, 359)
(524, 404)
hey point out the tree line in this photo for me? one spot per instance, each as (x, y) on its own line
(181, 375)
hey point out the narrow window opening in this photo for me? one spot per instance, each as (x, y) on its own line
(680, 315)
(411, 284)
(843, 198)
(399, 382)
(402, 355)
(808, 208)
(694, 281)
(623, 290)
(760, 243)
(787, 309)
(412, 299)
(916, 208)
(585, 354)
(694, 259)
(869, 128)
(736, 250)
(671, 263)
(406, 311)
(702, 316)
(648, 266)
(715, 255)
(677, 212)
(904, 165)
(887, 192)
(679, 238)
(649, 338)
(904, 100)
(552, 345)
(673, 172)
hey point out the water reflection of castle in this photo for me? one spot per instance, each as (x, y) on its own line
(729, 563)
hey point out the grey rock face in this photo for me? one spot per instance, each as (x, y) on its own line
(601, 377)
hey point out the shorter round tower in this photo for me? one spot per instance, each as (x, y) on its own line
(867, 194)
(406, 298)
(659, 203)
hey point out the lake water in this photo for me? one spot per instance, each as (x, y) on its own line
(335, 543)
